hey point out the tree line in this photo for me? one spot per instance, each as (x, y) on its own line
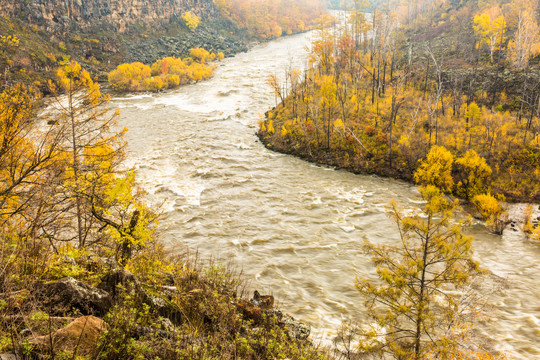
(271, 19)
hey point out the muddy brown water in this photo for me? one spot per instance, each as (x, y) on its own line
(295, 228)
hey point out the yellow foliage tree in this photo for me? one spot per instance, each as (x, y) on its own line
(91, 148)
(491, 211)
(473, 175)
(192, 21)
(411, 304)
(154, 83)
(129, 76)
(526, 41)
(201, 55)
(168, 72)
(436, 169)
(104, 197)
(491, 30)
(27, 159)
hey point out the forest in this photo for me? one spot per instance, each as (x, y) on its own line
(386, 87)
(271, 19)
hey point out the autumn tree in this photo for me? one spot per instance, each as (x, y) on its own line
(129, 76)
(526, 40)
(201, 55)
(27, 159)
(92, 144)
(473, 175)
(166, 73)
(192, 21)
(412, 304)
(491, 28)
(104, 200)
(436, 169)
(491, 211)
(24, 152)
(265, 19)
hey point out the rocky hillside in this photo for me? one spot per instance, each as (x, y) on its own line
(101, 34)
(116, 15)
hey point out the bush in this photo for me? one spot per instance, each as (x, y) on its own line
(168, 72)
(153, 84)
(491, 211)
(129, 76)
(172, 81)
(473, 173)
(201, 55)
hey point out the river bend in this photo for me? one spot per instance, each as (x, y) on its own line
(295, 228)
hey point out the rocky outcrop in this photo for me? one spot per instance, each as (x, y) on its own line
(80, 336)
(160, 301)
(264, 304)
(148, 50)
(68, 294)
(262, 301)
(117, 15)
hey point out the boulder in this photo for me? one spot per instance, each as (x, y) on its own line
(9, 356)
(158, 301)
(80, 336)
(249, 311)
(119, 277)
(262, 301)
(295, 328)
(68, 294)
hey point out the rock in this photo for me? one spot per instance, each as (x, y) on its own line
(163, 306)
(296, 329)
(117, 277)
(249, 311)
(67, 294)
(9, 356)
(262, 301)
(151, 332)
(158, 302)
(81, 335)
(263, 304)
(117, 16)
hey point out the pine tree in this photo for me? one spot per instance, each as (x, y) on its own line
(412, 304)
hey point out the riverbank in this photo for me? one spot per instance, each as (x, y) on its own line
(366, 144)
(86, 305)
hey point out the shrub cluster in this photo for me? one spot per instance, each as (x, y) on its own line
(167, 73)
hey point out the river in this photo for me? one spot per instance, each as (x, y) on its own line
(295, 228)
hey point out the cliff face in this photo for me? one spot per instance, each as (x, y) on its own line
(117, 15)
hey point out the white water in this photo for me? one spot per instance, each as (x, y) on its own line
(295, 228)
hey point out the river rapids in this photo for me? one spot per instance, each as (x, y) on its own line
(295, 228)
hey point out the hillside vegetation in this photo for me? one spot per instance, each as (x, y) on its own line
(82, 273)
(390, 85)
(38, 48)
(271, 19)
